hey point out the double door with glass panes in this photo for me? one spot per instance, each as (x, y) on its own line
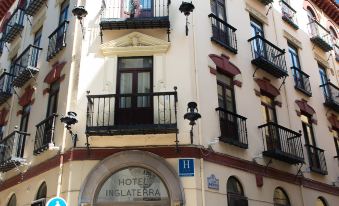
(134, 100)
(219, 29)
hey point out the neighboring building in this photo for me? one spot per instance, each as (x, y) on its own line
(264, 75)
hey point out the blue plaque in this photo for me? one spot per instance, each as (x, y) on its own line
(56, 201)
(213, 182)
(186, 167)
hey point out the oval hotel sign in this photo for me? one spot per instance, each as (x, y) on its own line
(133, 184)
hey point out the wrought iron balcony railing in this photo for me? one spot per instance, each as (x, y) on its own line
(14, 25)
(142, 113)
(40, 202)
(317, 161)
(232, 128)
(320, 36)
(331, 94)
(12, 150)
(44, 137)
(223, 33)
(6, 89)
(236, 200)
(25, 66)
(33, 6)
(268, 56)
(57, 40)
(126, 14)
(289, 14)
(301, 81)
(282, 143)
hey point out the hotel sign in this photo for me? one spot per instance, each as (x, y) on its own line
(133, 185)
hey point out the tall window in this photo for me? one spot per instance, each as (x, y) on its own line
(256, 28)
(64, 11)
(293, 52)
(235, 193)
(25, 118)
(53, 99)
(12, 201)
(218, 9)
(308, 130)
(37, 37)
(334, 36)
(280, 198)
(320, 202)
(258, 44)
(324, 81)
(336, 141)
(268, 109)
(225, 92)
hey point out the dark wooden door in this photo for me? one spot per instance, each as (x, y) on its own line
(134, 101)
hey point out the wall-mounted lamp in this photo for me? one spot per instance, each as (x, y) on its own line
(80, 12)
(186, 8)
(192, 115)
(69, 120)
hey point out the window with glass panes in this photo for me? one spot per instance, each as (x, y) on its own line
(225, 92)
(335, 133)
(53, 99)
(64, 11)
(24, 118)
(268, 108)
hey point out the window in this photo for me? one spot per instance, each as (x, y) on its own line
(258, 44)
(268, 109)
(2, 130)
(280, 197)
(12, 201)
(256, 28)
(235, 193)
(308, 129)
(53, 99)
(294, 56)
(321, 202)
(311, 15)
(225, 92)
(218, 9)
(324, 81)
(64, 11)
(25, 118)
(334, 36)
(335, 133)
(42, 192)
(37, 37)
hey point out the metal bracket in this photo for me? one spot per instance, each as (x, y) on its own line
(255, 71)
(268, 164)
(283, 82)
(269, 8)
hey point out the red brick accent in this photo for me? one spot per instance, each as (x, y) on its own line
(3, 115)
(224, 65)
(305, 107)
(259, 180)
(314, 121)
(213, 71)
(19, 113)
(257, 93)
(267, 87)
(55, 73)
(278, 103)
(237, 83)
(26, 98)
(333, 119)
(45, 91)
(4, 22)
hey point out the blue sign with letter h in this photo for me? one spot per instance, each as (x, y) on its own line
(186, 167)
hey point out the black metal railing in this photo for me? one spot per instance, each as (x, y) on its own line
(236, 200)
(223, 33)
(12, 150)
(132, 113)
(44, 136)
(317, 161)
(40, 202)
(233, 128)
(1, 46)
(25, 66)
(118, 14)
(57, 40)
(14, 25)
(320, 35)
(331, 94)
(6, 88)
(289, 14)
(282, 143)
(33, 6)
(301, 81)
(268, 57)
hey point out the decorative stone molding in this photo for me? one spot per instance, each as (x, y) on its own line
(135, 44)
(14, 48)
(257, 14)
(26, 98)
(334, 122)
(307, 4)
(267, 87)
(55, 73)
(305, 107)
(292, 39)
(321, 60)
(38, 21)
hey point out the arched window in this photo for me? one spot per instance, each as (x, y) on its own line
(321, 202)
(235, 193)
(12, 201)
(311, 15)
(334, 35)
(42, 192)
(280, 197)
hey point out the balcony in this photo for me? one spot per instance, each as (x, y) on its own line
(14, 25)
(233, 128)
(142, 113)
(223, 33)
(320, 36)
(122, 14)
(6, 89)
(40, 202)
(331, 94)
(33, 6)
(25, 66)
(289, 15)
(282, 143)
(268, 57)
(12, 150)
(236, 200)
(301, 81)
(266, 2)
(44, 137)
(57, 40)
(317, 159)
